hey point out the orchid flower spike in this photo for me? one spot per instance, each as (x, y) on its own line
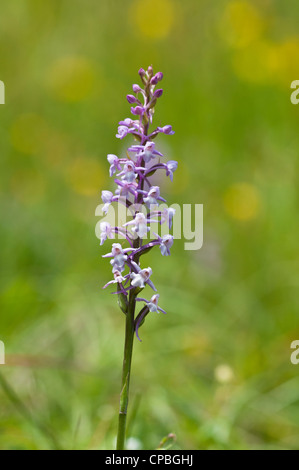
(134, 174)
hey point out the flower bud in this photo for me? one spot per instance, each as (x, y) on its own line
(136, 88)
(154, 80)
(142, 75)
(158, 93)
(150, 71)
(131, 99)
(166, 130)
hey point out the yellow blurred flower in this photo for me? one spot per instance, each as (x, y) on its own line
(86, 176)
(241, 23)
(257, 63)
(242, 201)
(152, 19)
(287, 61)
(265, 62)
(71, 79)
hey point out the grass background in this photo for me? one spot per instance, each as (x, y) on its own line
(216, 370)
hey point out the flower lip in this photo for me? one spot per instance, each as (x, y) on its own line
(146, 273)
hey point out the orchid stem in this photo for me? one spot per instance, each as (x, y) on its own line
(128, 352)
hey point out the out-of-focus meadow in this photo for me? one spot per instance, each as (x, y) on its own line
(216, 370)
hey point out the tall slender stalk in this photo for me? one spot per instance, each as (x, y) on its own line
(135, 187)
(128, 351)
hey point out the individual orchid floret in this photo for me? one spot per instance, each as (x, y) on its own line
(157, 78)
(138, 110)
(106, 231)
(122, 132)
(158, 93)
(140, 224)
(129, 126)
(152, 196)
(125, 188)
(166, 130)
(141, 277)
(152, 304)
(118, 279)
(167, 216)
(136, 88)
(119, 257)
(107, 198)
(171, 167)
(165, 244)
(132, 99)
(147, 151)
(128, 174)
(114, 164)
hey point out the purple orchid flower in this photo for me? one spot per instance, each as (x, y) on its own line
(152, 304)
(171, 167)
(106, 231)
(107, 198)
(125, 188)
(166, 130)
(165, 244)
(152, 196)
(140, 224)
(128, 174)
(138, 193)
(118, 279)
(146, 152)
(114, 164)
(141, 277)
(134, 190)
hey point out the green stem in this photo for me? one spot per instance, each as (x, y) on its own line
(128, 351)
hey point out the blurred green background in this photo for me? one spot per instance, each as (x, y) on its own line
(216, 370)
